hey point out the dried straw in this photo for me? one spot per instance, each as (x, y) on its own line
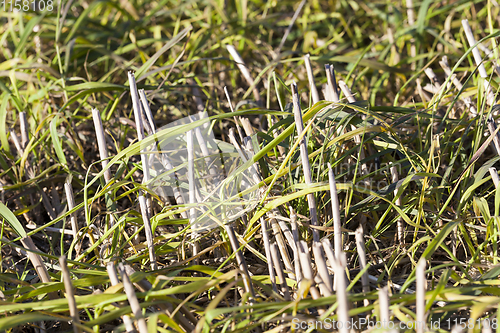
(132, 300)
(70, 296)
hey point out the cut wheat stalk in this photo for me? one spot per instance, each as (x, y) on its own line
(267, 249)
(145, 207)
(73, 220)
(490, 96)
(458, 85)
(279, 271)
(23, 121)
(101, 144)
(492, 129)
(411, 21)
(192, 194)
(282, 247)
(383, 306)
(306, 167)
(70, 295)
(113, 278)
(132, 300)
(400, 222)
(165, 161)
(244, 71)
(360, 246)
(247, 281)
(494, 176)
(332, 93)
(337, 224)
(149, 232)
(307, 269)
(322, 268)
(420, 295)
(339, 266)
(236, 119)
(187, 321)
(347, 92)
(295, 233)
(310, 77)
(433, 78)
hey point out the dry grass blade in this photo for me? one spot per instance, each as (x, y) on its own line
(322, 267)
(132, 300)
(70, 296)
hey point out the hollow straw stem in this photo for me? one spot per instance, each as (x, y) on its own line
(420, 295)
(305, 160)
(236, 119)
(185, 321)
(267, 249)
(70, 296)
(113, 278)
(458, 85)
(322, 267)
(282, 247)
(490, 96)
(475, 51)
(295, 233)
(101, 143)
(383, 304)
(400, 222)
(337, 229)
(279, 271)
(360, 246)
(247, 282)
(192, 192)
(347, 92)
(24, 129)
(144, 159)
(339, 266)
(148, 231)
(494, 176)
(331, 88)
(73, 219)
(132, 300)
(411, 21)
(492, 129)
(244, 70)
(310, 77)
(307, 269)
